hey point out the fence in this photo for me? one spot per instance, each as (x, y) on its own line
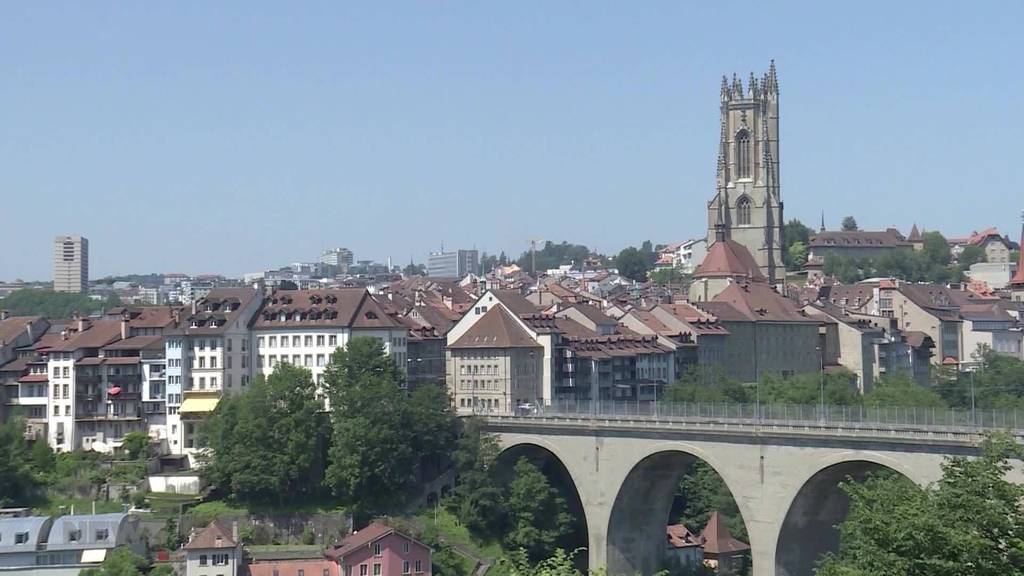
(786, 414)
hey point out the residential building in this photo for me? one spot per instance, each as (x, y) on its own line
(304, 327)
(426, 358)
(684, 256)
(70, 264)
(722, 552)
(590, 317)
(747, 206)
(380, 550)
(214, 551)
(990, 324)
(855, 244)
(65, 545)
(995, 275)
(996, 246)
(208, 350)
(684, 552)
(453, 264)
(1017, 282)
(696, 336)
(613, 368)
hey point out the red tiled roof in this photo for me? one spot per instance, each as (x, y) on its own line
(496, 329)
(292, 567)
(679, 536)
(364, 537)
(761, 303)
(212, 537)
(728, 258)
(718, 540)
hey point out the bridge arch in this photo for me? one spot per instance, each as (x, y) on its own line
(546, 456)
(636, 542)
(818, 505)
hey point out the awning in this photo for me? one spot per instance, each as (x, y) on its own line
(94, 556)
(198, 405)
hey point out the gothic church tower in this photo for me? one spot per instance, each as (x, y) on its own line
(747, 206)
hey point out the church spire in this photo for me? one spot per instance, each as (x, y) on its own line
(1018, 279)
(822, 229)
(752, 87)
(725, 88)
(737, 87)
(773, 79)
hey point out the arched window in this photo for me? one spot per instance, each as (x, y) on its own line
(743, 154)
(743, 211)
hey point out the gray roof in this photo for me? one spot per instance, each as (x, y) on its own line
(89, 527)
(36, 526)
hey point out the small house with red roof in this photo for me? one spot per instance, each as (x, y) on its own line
(379, 550)
(684, 551)
(722, 551)
(214, 551)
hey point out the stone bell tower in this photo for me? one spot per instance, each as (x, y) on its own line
(747, 206)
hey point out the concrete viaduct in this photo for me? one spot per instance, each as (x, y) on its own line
(784, 476)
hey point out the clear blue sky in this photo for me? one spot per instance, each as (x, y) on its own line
(235, 136)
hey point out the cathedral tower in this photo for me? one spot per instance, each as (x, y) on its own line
(747, 206)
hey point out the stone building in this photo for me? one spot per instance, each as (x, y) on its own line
(747, 205)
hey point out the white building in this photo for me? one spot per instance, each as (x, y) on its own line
(304, 327)
(70, 264)
(213, 551)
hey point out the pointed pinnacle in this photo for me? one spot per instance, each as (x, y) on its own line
(725, 87)
(752, 85)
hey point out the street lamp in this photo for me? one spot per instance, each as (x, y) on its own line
(821, 381)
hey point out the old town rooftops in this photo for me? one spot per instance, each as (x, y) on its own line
(341, 307)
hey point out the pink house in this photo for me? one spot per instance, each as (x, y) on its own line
(380, 550)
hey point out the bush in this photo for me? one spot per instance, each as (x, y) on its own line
(308, 536)
(139, 499)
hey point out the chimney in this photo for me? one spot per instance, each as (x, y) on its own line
(234, 531)
(5, 314)
(30, 332)
(194, 308)
(64, 334)
(124, 328)
(81, 324)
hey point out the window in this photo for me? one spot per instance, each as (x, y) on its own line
(326, 572)
(308, 361)
(319, 359)
(213, 382)
(64, 372)
(214, 344)
(202, 361)
(273, 341)
(302, 572)
(743, 211)
(67, 410)
(419, 566)
(229, 344)
(202, 559)
(362, 570)
(376, 569)
(743, 154)
(56, 410)
(376, 549)
(65, 392)
(332, 340)
(308, 341)
(405, 547)
(202, 344)
(21, 538)
(348, 570)
(320, 340)
(405, 567)
(74, 535)
(296, 341)
(213, 361)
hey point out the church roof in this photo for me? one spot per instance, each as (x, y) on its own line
(915, 234)
(728, 258)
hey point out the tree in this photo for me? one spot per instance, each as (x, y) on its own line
(553, 255)
(792, 232)
(969, 522)
(55, 305)
(701, 384)
(372, 454)
(902, 391)
(632, 264)
(702, 491)
(936, 249)
(121, 561)
(414, 270)
(17, 478)
(266, 445)
(537, 514)
(849, 224)
(667, 276)
(796, 256)
(478, 500)
(805, 389)
(971, 255)
(135, 444)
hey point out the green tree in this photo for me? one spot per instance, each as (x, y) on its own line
(372, 454)
(17, 478)
(119, 562)
(797, 255)
(702, 491)
(429, 409)
(44, 461)
(902, 390)
(668, 276)
(478, 501)
(553, 255)
(266, 445)
(792, 232)
(415, 270)
(969, 522)
(54, 305)
(805, 389)
(849, 224)
(936, 249)
(971, 255)
(702, 384)
(632, 264)
(135, 444)
(537, 514)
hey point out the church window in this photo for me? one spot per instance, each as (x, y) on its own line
(743, 154)
(743, 211)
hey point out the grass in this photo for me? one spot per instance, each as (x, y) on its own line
(81, 506)
(448, 526)
(167, 503)
(206, 512)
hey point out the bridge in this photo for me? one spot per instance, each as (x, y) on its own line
(783, 465)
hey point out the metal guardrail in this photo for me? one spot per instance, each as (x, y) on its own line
(892, 420)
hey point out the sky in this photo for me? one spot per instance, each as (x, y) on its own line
(233, 137)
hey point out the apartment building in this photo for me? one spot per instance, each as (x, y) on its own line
(23, 376)
(304, 327)
(70, 264)
(209, 353)
(453, 264)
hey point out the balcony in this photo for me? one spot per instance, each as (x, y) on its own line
(87, 378)
(87, 392)
(123, 379)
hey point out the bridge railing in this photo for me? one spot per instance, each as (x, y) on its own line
(786, 414)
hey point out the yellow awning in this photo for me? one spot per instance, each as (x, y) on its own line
(94, 556)
(198, 405)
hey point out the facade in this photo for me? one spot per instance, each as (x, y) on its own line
(339, 258)
(214, 551)
(294, 568)
(722, 552)
(453, 264)
(208, 353)
(855, 244)
(747, 206)
(380, 550)
(304, 327)
(995, 246)
(1017, 282)
(70, 264)
(684, 552)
